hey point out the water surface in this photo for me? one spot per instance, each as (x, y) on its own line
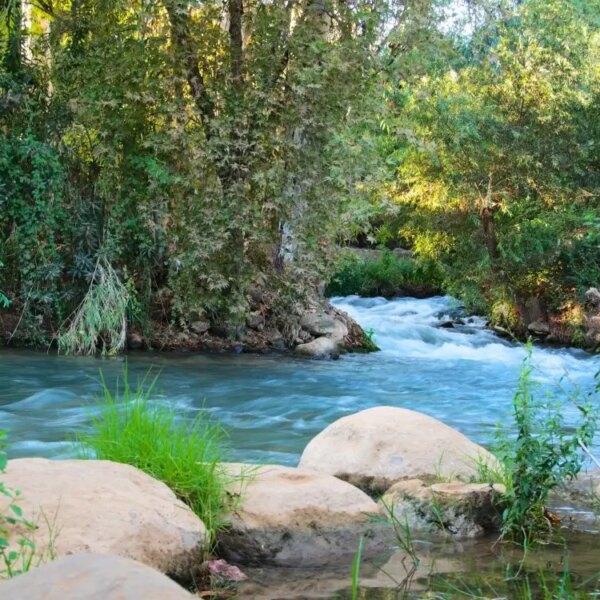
(273, 405)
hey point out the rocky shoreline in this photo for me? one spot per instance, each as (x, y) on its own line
(319, 331)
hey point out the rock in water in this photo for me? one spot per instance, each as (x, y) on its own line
(93, 577)
(106, 507)
(539, 328)
(466, 510)
(296, 518)
(322, 347)
(320, 324)
(377, 447)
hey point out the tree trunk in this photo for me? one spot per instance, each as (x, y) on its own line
(489, 227)
(236, 11)
(489, 234)
(179, 18)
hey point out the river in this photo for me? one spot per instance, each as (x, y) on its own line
(273, 405)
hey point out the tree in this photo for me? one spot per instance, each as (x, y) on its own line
(496, 168)
(201, 148)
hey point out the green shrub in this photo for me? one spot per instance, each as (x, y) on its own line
(185, 454)
(543, 455)
(385, 276)
(100, 321)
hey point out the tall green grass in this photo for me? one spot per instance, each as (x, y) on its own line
(185, 454)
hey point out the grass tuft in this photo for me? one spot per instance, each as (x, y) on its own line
(185, 454)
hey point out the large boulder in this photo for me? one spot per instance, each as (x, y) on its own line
(110, 508)
(92, 577)
(321, 324)
(377, 447)
(465, 510)
(322, 347)
(292, 517)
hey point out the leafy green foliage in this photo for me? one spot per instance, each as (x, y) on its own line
(496, 167)
(191, 158)
(185, 454)
(544, 454)
(387, 275)
(101, 319)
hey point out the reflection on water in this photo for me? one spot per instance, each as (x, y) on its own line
(447, 569)
(273, 405)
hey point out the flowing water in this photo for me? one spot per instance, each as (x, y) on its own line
(273, 405)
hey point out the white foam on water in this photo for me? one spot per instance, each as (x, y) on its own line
(409, 328)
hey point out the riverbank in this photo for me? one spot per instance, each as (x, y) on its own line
(273, 405)
(264, 331)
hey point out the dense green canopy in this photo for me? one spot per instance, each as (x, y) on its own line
(160, 159)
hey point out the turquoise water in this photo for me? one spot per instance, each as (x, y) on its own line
(273, 405)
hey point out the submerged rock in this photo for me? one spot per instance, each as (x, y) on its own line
(292, 517)
(93, 577)
(322, 347)
(106, 507)
(377, 447)
(466, 510)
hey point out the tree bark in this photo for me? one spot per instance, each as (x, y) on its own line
(179, 19)
(489, 227)
(236, 11)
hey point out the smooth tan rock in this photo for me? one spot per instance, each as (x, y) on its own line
(110, 508)
(374, 448)
(465, 510)
(321, 324)
(322, 347)
(293, 517)
(92, 577)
